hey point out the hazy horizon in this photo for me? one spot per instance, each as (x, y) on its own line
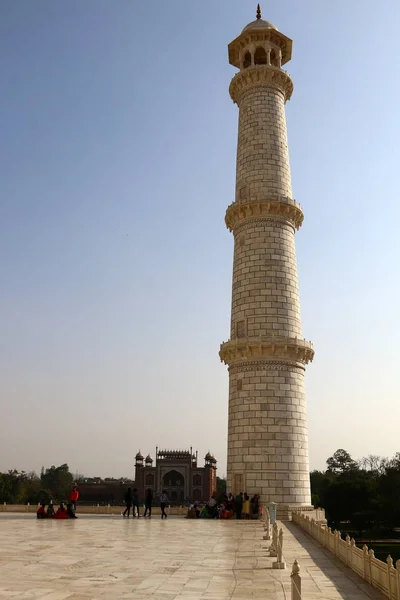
(118, 146)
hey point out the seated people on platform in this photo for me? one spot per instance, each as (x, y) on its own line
(226, 508)
(61, 512)
(41, 513)
(212, 509)
(50, 510)
(70, 511)
(193, 511)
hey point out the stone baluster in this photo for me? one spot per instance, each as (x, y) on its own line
(352, 546)
(338, 538)
(267, 525)
(279, 563)
(389, 562)
(274, 545)
(365, 562)
(348, 549)
(398, 579)
(296, 581)
(371, 556)
(327, 536)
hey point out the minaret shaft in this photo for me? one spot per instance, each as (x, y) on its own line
(266, 355)
(262, 169)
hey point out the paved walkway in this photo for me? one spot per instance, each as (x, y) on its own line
(106, 558)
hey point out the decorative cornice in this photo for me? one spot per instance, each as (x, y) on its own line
(265, 365)
(281, 348)
(286, 210)
(261, 76)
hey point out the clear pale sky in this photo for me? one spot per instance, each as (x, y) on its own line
(117, 161)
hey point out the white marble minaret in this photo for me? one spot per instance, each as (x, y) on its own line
(266, 353)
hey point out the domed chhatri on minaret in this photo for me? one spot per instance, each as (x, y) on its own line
(266, 353)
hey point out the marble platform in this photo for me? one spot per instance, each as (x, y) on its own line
(110, 558)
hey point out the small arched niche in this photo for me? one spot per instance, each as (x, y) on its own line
(260, 56)
(247, 60)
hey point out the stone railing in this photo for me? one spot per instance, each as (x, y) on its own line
(381, 575)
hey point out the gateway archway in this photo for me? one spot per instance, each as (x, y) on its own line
(173, 483)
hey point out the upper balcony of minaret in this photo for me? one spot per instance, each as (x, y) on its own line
(260, 45)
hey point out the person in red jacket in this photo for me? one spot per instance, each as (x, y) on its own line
(41, 513)
(61, 512)
(73, 497)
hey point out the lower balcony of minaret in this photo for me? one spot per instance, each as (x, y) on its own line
(267, 348)
(282, 209)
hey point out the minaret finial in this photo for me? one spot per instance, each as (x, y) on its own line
(258, 12)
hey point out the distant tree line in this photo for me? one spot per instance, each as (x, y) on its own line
(364, 494)
(53, 483)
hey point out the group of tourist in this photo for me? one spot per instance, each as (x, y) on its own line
(132, 502)
(62, 512)
(227, 507)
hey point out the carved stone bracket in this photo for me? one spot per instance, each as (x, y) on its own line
(261, 76)
(286, 210)
(281, 348)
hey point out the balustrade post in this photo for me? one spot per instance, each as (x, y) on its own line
(389, 562)
(347, 549)
(296, 581)
(279, 563)
(398, 579)
(267, 527)
(352, 546)
(365, 562)
(274, 545)
(371, 556)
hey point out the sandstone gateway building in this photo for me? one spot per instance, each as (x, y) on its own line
(266, 353)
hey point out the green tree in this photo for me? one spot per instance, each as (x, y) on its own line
(341, 462)
(57, 481)
(352, 498)
(320, 482)
(389, 489)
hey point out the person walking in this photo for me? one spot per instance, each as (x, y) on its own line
(128, 502)
(148, 502)
(73, 497)
(163, 503)
(135, 502)
(239, 505)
